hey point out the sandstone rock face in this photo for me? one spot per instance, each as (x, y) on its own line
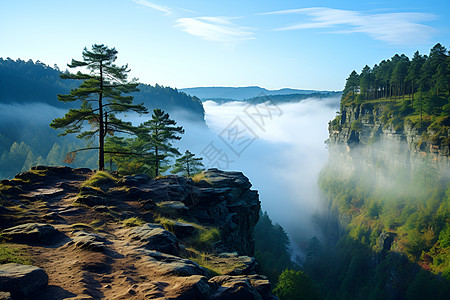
(89, 241)
(253, 287)
(31, 233)
(21, 280)
(225, 201)
(143, 262)
(404, 142)
(155, 237)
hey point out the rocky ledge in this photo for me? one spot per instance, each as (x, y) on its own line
(133, 238)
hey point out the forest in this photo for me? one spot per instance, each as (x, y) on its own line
(28, 103)
(386, 229)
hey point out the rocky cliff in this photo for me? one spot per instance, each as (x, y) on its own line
(130, 238)
(382, 134)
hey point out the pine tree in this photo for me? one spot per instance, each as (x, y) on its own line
(188, 164)
(156, 135)
(101, 97)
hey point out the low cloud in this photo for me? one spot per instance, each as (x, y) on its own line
(394, 28)
(216, 29)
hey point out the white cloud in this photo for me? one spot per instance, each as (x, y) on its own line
(395, 28)
(160, 8)
(217, 29)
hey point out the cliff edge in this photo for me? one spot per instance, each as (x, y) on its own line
(93, 236)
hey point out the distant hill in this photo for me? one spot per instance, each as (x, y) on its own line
(26, 82)
(241, 93)
(28, 103)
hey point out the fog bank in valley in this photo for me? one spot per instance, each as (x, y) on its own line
(282, 158)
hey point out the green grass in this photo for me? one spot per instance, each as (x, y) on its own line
(205, 238)
(99, 179)
(133, 222)
(215, 265)
(9, 254)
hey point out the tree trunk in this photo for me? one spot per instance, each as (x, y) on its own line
(412, 94)
(101, 137)
(156, 153)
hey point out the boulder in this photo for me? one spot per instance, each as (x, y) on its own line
(21, 280)
(91, 200)
(137, 179)
(172, 208)
(182, 230)
(148, 204)
(246, 287)
(166, 264)
(219, 179)
(31, 233)
(385, 240)
(239, 265)
(155, 237)
(89, 241)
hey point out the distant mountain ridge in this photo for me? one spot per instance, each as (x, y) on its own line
(26, 82)
(241, 93)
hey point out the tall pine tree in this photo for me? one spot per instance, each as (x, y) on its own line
(156, 135)
(188, 164)
(101, 97)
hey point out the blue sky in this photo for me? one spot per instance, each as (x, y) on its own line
(272, 44)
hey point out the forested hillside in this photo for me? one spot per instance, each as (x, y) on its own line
(386, 187)
(28, 103)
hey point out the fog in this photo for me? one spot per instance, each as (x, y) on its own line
(281, 152)
(282, 160)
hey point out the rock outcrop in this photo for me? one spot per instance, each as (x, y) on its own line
(105, 243)
(21, 280)
(363, 125)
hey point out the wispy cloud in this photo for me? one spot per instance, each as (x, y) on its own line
(217, 29)
(394, 28)
(160, 8)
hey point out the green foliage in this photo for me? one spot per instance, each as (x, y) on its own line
(356, 125)
(271, 247)
(151, 149)
(187, 164)
(295, 285)
(101, 98)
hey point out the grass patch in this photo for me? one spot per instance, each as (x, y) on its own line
(9, 254)
(199, 177)
(100, 179)
(205, 238)
(216, 265)
(205, 261)
(166, 222)
(133, 222)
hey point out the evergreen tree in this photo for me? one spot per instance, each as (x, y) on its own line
(295, 285)
(156, 135)
(413, 75)
(314, 251)
(101, 97)
(188, 164)
(352, 84)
